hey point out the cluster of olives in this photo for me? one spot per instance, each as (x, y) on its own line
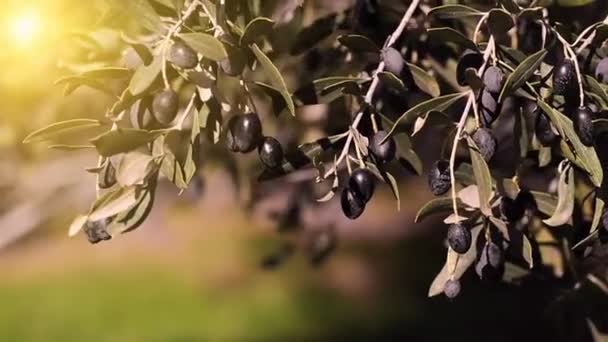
(245, 135)
(565, 84)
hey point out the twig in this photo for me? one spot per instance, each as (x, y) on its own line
(392, 39)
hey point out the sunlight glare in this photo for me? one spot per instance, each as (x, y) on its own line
(24, 28)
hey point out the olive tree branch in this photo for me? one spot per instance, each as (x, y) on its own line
(589, 39)
(172, 32)
(391, 40)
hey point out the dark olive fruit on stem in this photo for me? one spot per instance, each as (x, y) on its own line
(493, 79)
(439, 177)
(96, 231)
(583, 125)
(495, 255)
(564, 77)
(271, 152)
(384, 152)
(490, 265)
(183, 56)
(601, 71)
(486, 142)
(459, 238)
(107, 177)
(469, 59)
(165, 106)
(245, 133)
(489, 107)
(544, 130)
(361, 183)
(141, 116)
(393, 61)
(235, 62)
(512, 210)
(451, 289)
(352, 206)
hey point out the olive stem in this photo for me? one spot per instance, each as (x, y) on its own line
(478, 27)
(172, 32)
(589, 39)
(180, 123)
(392, 39)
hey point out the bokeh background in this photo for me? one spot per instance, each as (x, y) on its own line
(192, 271)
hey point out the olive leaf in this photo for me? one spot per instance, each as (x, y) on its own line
(452, 11)
(108, 72)
(522, 73)
(145, 75)
(313, 34)
(122, 140)
(144, 13)
(565, 202)
(464, 262)
(597, 214)
(596, 87)
(424, 81)
(510, 5)
(358, 43)
(112, 203)
(392, 82)
(435, 206)
(132, 218)
(470, 196)
(256, 29)
(436, 104)
(482, 176)
(546, 203)
(77, 224)
(68, 147)
(133, 168)
(445, 34)
(74, 82)
(584, 156)
(499, 21)
(60, 128)
(274, 75)
(205, 44)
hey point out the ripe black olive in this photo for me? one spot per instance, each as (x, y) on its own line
(489, 107)
(601, 71)
(361, 184)
(165, 106)
(451, 289)
(383, 152)
(469, 59)
(490, 265)
(244, 133)
(183, 56)
(393, 61)
(459, 238)
(439, 177)
(235, 62)
(512, 210)
(486, 142)
(352, 206)
(564, 78)
(96, 231)
(271, 152)
(583, 125)
(544, 131)
(493, 79)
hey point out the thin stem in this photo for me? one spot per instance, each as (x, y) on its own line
(459, 129)
(392, 39)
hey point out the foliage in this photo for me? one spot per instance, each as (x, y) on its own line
(496, 78)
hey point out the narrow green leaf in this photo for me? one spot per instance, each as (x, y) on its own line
(205, 44)
(77, 224)
(113, 203)
(122, 140)
(482, 176)
(522, 73)
(59, 128)
(435, 206)
(452, 11)
(256, 29)
(446, 34)
(565, 202)
(274, 75)
(145, 75)
(425, 81)
(358, 43)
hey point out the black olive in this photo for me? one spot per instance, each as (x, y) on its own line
(244, 133)
(393, 61)
(564, 78)
(96, 231)
(439, 177)
(469, 59)
(183, 56)
(165, 106)
(490, 265)
(493, 79)
(361, 184)
(601, 71)
(352, 206)
(495, 255)
(544, 131)
(459, 238)
(489, 107)
(271, 152)
(486, 142)
(383, 152)
(583, 125)
(451, 289)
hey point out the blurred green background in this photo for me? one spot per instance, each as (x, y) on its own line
(192, 272)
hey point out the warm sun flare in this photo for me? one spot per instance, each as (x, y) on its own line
(24, 27)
